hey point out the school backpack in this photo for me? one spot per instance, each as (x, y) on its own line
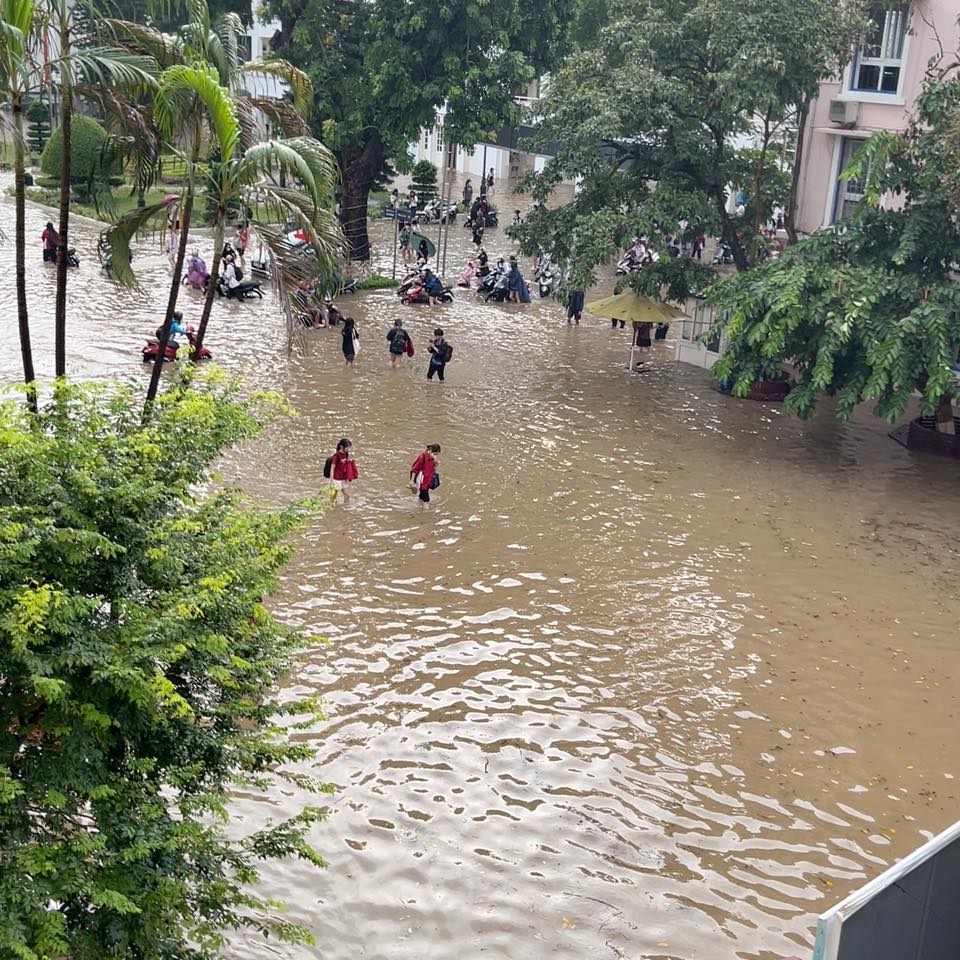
(328, 468)
(447, 353)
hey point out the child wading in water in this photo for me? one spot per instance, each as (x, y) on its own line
(424, 475)
(344, 469)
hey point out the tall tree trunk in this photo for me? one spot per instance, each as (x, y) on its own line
(177, 279)
(26, 350)
(60, 317)
(789, 220)
(945, 422)
(218, 235)
(757, 188)
(359, 174)
(729, 234)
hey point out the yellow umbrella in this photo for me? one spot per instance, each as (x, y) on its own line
(631, 306)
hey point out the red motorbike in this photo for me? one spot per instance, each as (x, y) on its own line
(418, 294)
(171, 352)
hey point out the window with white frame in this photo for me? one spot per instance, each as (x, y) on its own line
(878, 59)
(849, 192)
(426, 141)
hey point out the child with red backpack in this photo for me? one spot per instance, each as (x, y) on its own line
(424, 475)
(341, 470)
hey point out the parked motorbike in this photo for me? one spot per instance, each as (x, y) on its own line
(723, 255)
(172, 349)
(547, 276)
(436, 211)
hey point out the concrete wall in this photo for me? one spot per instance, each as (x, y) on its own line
(828, 145)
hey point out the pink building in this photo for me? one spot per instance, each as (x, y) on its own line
(877, 91)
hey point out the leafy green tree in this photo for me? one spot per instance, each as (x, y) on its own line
(38, 115)
(19, 21)
(139, 669)
(869, 310)
(381, 70)
(669, 106)
(424, 180)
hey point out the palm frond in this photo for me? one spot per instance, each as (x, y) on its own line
(293, 208)
(279, 112)
(312, 163)
(229, 28)
(301, 86)
(138, 38)
(116, 239)
(103, 65)
(216, 99)
(247, 118)
(133, 137)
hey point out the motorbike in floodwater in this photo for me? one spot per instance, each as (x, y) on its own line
(244, 290)
(152, 350)
(547, 276)
(418, 294)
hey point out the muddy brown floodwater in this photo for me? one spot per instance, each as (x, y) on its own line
(662, 675)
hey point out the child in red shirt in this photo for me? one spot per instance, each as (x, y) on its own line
(344, 469)
(423, 474)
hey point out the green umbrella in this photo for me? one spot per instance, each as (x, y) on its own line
(415, 239)
(631, 306)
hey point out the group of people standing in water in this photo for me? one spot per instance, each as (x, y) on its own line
(341, 470)
(399, 345)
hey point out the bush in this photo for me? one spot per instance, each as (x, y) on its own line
(87, 140)
(376, 282)
(138, 677)
(38, 120)
(424, 176)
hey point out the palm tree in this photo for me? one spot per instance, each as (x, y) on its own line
(94, 65)
(199, 44)
(244, 178)
(18, 20)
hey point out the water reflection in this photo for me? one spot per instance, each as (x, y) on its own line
(662, 675)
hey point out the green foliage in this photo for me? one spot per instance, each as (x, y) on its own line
(376, 282)
(651, 112)
(381, 71)
(868, 310)
(424, 180)
(38, 117)
(139, 670)
(87, 159)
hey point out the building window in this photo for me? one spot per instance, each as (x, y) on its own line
(879, 57)
(426, 141)
(849, 192)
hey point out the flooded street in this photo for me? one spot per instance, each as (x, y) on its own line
(661, 675)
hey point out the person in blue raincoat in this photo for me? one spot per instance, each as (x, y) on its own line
(519, 291)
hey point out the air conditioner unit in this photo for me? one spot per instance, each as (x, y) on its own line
(844, 112)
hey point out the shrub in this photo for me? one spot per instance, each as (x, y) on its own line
(376, 282)
(138, 676)
(87, 140)
(38, 119)
(424, 177)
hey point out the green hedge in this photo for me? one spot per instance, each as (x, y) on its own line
(87, 140)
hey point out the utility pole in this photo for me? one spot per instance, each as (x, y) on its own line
(396, 228)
